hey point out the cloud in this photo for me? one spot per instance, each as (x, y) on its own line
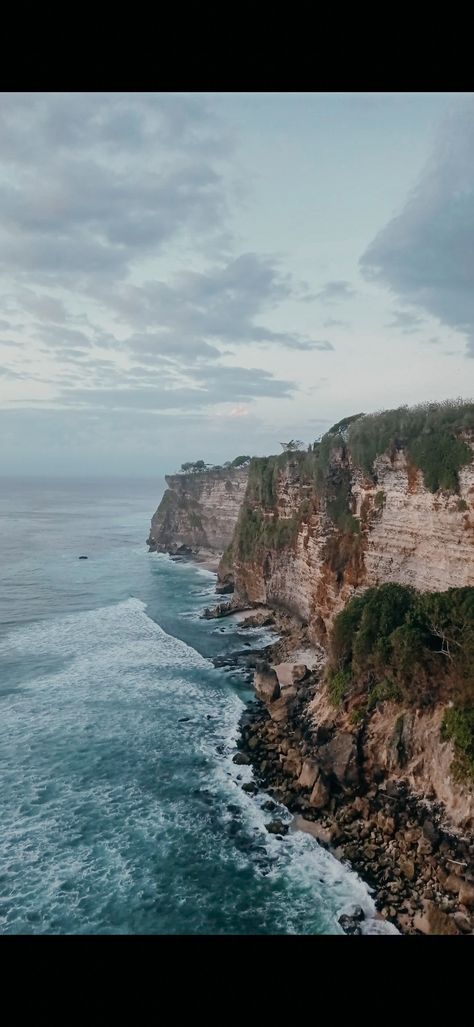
(333, 322)
(43, 307)
(90, 179)
(334, 291)
(212, 386)
(425, 255)
(323, 344)
(405, 322)
(196, 310)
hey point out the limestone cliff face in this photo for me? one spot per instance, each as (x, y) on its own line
(198, 511)
(405, 534)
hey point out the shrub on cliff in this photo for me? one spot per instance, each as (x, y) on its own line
(421, 643)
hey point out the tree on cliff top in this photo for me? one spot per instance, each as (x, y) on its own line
(293, 446)
(239, 461)
(197, 465)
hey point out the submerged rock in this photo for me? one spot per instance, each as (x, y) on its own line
(277, 827)
(241, 759)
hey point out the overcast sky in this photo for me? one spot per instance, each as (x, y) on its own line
(189, 276)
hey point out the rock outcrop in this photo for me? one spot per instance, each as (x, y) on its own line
(198, 512)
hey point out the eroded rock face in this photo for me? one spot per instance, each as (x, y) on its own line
(198, 511)
(408, 535)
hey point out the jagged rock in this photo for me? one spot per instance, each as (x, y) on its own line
(266, 682)
(281, 708)
(221, 610)
(309, 773)
(339, 757)
(320, 794)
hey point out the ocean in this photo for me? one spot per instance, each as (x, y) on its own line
(121, 809)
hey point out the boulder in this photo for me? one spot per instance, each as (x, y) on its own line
(241, 759)
(355, 912)
(266, 682)
(225, 589)
(319, 797)
(466, 894)
(349, 924)
(277, 827)
(431, 832)
(407, 868)
(300, 671)
(250, 787)
(462, 922)
(433, 921)
(339, 757)
(453, 884)
(309, 773)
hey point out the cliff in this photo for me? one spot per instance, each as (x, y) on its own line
(198, 511)
(367, 540)
(380, 502)
(315, 528)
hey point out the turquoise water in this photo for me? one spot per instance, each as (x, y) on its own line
(117, 735)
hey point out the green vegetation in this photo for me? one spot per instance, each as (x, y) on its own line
(386, 691)
(358, 715)
(379, 501)
(461, 505)
(193, 466)
(258, 533)
(429, 433)
(239, 461)
(197, 465)
(293, 446)
(458, 727)
(338, 684)
(394, 642)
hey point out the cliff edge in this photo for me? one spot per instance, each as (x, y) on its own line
(198, 512)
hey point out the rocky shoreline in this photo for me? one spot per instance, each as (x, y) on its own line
(419, 869)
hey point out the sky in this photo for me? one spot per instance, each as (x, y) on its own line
(193, 276)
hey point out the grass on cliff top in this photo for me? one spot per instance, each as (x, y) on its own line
(429, 433)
